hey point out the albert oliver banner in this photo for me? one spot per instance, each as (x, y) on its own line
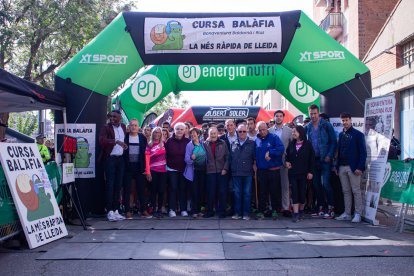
(379, 117)
(213, 35)
(32, 193)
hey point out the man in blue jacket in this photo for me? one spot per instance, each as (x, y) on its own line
(322, 136)
(269, 151)
(352, 154)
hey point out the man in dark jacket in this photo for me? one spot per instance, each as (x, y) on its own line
(352, 154)
(111, 139)
(269, 151)
(242, 158)
(135, 167)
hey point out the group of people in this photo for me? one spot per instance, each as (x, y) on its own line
(208, 171)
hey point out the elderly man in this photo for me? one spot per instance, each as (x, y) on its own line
(111, 139)
(242, 158)
(285, 134)
(269, 152)
(217, 169)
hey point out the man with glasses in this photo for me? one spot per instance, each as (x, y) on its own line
(285, 134)
(242, 158)
(269, 152)
(111, 139)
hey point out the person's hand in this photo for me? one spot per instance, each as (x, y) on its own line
(327, 159)
(223, 172)
(267, 156)
(149, 177)
(288, 165)
(309, 176)
(335, 170)
(193, 157)
(358, 172)
(254, 167)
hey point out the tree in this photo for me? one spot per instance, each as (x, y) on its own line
(25, 122)
(170, 101)
(38, 36)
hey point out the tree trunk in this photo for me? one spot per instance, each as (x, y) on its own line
(4, 118)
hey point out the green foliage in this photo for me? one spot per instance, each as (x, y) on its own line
(38, 36)
(170, 101)
(24, 122)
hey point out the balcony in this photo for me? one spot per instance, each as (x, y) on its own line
(333, 24)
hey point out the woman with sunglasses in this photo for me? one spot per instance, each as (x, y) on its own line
(156, 171)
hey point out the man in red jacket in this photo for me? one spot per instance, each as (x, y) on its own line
(111, 139)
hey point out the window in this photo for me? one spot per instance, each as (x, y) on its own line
(407, 51)
(407, 99)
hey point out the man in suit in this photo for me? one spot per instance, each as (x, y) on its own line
(134, 158)
(285, 135)
(111, 139)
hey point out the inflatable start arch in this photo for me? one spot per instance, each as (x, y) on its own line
(215, 51)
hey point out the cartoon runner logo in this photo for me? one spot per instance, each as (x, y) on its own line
(167, 37)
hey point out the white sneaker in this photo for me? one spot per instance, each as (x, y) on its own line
(184, 214)
(246, 218)
(357, 218)
(118, 216)
(236, 216)
(111, 216)
(172, 214)
(344, 216)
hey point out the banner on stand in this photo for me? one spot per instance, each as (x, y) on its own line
(379, 118)
(84, 159)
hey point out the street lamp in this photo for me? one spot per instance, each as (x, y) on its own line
(388, 51)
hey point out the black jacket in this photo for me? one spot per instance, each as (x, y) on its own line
(303, 161)
(142, 147)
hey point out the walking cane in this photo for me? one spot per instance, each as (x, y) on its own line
(255, 184)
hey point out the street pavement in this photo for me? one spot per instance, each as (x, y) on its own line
(187, 246)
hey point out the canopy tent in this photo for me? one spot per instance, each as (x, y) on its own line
(17, 95)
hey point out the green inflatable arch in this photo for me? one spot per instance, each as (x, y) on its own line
(216, 51)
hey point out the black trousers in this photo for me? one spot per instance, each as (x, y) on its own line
(269, 183)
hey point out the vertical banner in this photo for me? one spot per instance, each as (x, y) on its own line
(84, 159)
(379, 117)
(32, 193)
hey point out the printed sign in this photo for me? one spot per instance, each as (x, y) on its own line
(32, 193)
(357, 123)
(213, 35)
(68, 173)
(84, 158)
(379, 116)
(210, 114)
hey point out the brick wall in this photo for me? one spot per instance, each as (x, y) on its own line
(372, 16)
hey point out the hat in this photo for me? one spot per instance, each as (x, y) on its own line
(272, 120)
(40, 136)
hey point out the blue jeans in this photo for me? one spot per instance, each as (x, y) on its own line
(216, 181)
(242, 186)
(321, 183)
(114, 173)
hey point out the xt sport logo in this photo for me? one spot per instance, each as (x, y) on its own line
(103, 59)
(302, 92)
(146, 89)
(321, 56)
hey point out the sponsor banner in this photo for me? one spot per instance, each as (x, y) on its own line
(357, 123)
(211, 114)
(90, 58)
(32, 193)
(399, 181)
(379, 116)
(68, 173)
(213, 35)
(84, 158)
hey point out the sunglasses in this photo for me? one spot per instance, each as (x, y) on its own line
(242, 131)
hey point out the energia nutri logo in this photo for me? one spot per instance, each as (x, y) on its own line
(321, 56)
(103, 59)
(302, 92)
(146, 89)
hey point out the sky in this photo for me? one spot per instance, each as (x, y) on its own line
(222, 97)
